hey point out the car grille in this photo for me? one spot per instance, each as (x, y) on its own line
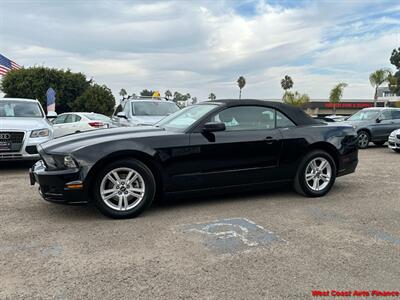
(15, 138)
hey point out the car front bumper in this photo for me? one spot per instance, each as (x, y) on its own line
(58, 186)
(394, 143)
(28, 150)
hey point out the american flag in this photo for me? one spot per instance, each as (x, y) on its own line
(7, 65)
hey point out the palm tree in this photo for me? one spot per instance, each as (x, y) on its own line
(212, 97)
(376, 79)
(168, 94)
(287, 83)
(392, 83)
(123, 93)
(241, 83)
(336, 95)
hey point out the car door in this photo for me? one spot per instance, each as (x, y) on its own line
(246, 152)
(384, 125)
(396, 119)
(58, 125)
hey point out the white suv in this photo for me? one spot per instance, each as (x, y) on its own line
(23, 125)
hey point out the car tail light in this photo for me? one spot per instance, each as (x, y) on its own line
(96, 124)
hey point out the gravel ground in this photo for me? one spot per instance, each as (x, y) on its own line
(347, 240)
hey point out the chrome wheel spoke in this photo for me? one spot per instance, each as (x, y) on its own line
(122, 189)
(318, 174)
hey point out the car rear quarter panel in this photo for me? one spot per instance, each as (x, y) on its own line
(338, 141)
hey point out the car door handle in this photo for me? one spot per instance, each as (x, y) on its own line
(270, 140)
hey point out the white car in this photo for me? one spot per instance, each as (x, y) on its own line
(23, 126)
(68, 123)
(394, 140)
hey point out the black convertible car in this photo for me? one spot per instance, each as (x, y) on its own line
(222, 144)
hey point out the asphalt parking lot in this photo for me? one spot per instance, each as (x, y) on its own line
(264, 245)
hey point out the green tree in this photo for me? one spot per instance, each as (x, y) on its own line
(123, 93)
(241, 83)
(146, 93)
(168, 94)
(395, 58)
(376, 79)
(287, 83)
(96, 98)
(295, 98)
(336, 94)
(395, 80)
(33, 83)
(212, 97)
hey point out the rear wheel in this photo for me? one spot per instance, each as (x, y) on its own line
(316, 174)
(363, 139)
(124, 189)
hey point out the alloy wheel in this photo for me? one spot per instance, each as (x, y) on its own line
(122, 189)
(363, 140)
(318, 174)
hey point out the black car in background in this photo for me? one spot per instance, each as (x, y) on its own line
(225, 144)
(374, 124)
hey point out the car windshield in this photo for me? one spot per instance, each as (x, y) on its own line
(186, 117)
(153, 108)
(367, 114)
(97, 117)
(20, 109)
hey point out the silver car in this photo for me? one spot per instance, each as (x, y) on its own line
(23, 126)
(394, 140)
(142, 112)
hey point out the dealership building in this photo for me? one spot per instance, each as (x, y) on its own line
(322, 107)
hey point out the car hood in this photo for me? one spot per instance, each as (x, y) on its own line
(70, 143)
(356, 123)
(25, 124)
(146, 120)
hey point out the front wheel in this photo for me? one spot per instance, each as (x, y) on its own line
(363, 139)
(124, 189)
(316, 174)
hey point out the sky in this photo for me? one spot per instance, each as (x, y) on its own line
(199, 47)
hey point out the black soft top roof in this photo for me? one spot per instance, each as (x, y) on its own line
(296, 114)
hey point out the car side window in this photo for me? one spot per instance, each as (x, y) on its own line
(76, 118)
(246, 118)
(386, 115)
(282, 121)
(69, 119)
(126, 109)
(396, 114)
(60, 119)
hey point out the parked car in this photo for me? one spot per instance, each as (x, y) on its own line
(23, 126)
(336, 118)
(374, 125)
(324, 119)
(68, 123)
(134, 112)
(223, 144)
(394, 140)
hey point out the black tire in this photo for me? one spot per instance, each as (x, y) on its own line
(363, 139)
(300, 184)
(397, 150)
(148, 196)
(379, 144)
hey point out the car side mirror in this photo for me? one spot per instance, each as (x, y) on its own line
(378, 120)
(121, 114)
(213, 127)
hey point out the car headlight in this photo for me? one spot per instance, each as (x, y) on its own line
(69, 162)
(40, 133)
